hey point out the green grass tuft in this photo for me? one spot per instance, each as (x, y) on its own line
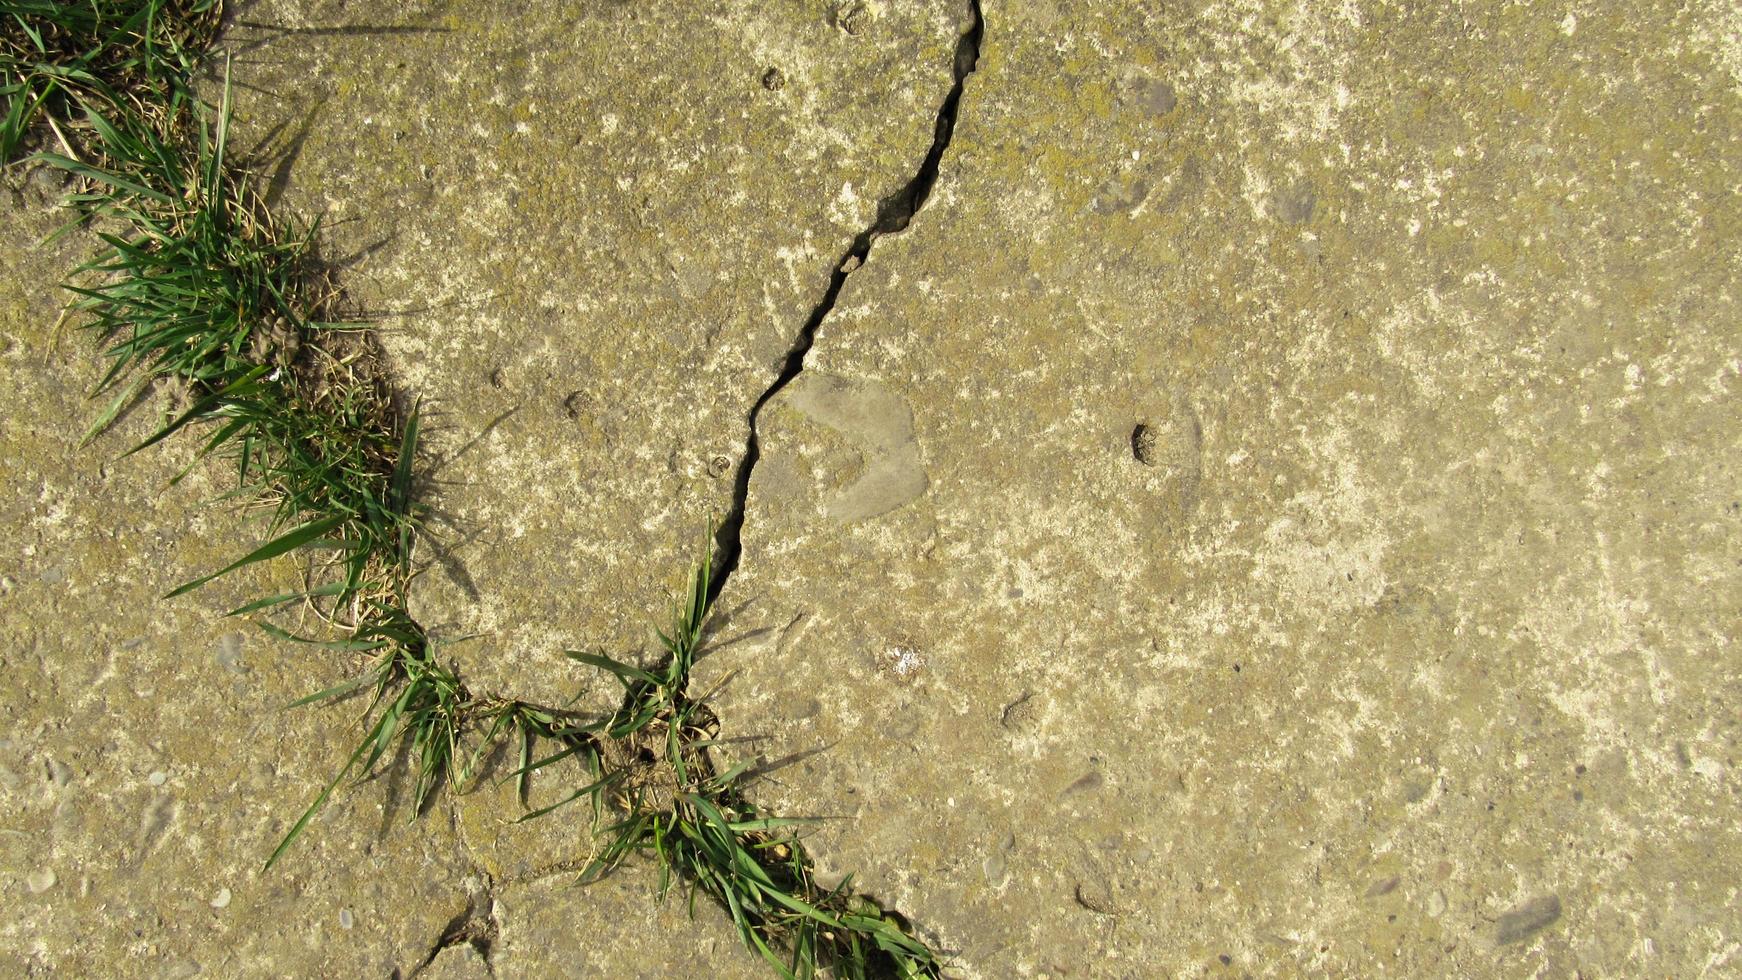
(651, 768)
(205, 288)
(60, 53)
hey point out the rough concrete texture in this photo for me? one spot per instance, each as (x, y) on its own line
(588, 234)
(1274, 511)
(597, 227)
(146, 766)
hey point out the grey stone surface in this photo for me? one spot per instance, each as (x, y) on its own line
(1326, 558)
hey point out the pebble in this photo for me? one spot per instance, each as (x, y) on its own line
(222, 899)
(994, 867)
(1525, 921)
(346, 920)
(1436, 905)
(853, 17)
(158, 778)
(40, 880)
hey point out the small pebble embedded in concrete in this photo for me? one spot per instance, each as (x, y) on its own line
(222, 899)
(40, 880)
(853, 17)
(158, 778)
(1528, 919)
(346, 920)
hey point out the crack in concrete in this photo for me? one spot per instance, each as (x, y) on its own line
(476, 927)
(893, 214)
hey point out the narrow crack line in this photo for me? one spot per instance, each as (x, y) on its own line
(476, 927)
(893, 215)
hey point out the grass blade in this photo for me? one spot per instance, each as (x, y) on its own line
(289, 541)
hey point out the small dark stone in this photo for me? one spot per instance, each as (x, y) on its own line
(1020, 714)
(853, 16)
(1121, 195)
(1096, 897)
(773, 79)
(1528, 919)
(1225, 959)
(719, 466)
(1383, 887)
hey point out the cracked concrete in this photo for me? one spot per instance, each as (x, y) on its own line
(593, 234)
(670, 185)
(465, 943)
(1273, 510)
(1324, 560)
(894, 212)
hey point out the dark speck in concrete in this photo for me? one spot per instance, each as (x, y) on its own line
(1152, 95)
(1294, 204)
(1085, 783)
(1527, 920)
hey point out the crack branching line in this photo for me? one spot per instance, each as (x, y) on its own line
(893, 214)
(476, 927)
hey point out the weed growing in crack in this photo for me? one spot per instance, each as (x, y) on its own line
(650, 769)
(201, 287)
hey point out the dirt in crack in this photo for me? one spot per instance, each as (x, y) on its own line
(893, 214)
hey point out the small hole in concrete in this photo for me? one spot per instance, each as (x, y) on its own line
(1143, 444)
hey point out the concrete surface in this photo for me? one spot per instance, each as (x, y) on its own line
(1274, 511)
